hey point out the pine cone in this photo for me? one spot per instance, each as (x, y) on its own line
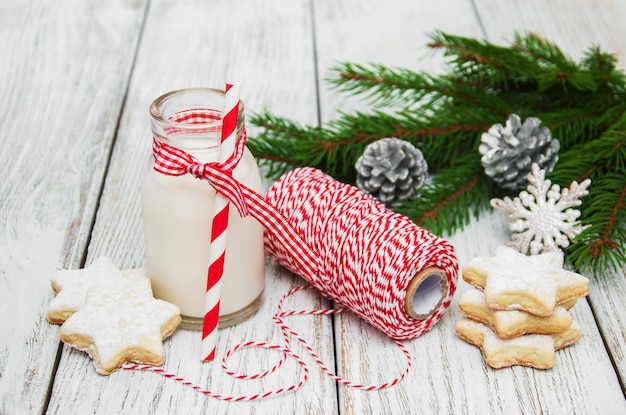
(391, 169)
(509, 151)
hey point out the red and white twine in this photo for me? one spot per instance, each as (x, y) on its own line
(344, 242)
(286, 351)
(367, 254)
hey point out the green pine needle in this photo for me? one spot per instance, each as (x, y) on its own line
(583, 103)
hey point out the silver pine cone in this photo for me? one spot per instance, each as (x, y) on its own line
(509, 151)
(391, 169)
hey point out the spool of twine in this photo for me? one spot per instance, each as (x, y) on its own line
(389, 271)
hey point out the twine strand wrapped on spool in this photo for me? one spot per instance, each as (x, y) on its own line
(390, 272)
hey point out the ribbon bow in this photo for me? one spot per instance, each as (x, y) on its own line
(173, 161)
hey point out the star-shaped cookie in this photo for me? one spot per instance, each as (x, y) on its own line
(535, 350)
(514, 281)
(71, 286)
(512, 323)
(112, 315)
(118, 327)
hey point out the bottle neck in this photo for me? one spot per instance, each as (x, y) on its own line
(190, 120)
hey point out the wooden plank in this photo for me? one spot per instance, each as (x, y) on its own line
(394, 35)
(267, 48)
(576, 26)
(63, 73)
(450, 375)
(607, 298)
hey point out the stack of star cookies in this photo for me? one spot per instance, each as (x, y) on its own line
(518, 312)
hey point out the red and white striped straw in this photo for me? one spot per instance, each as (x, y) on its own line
(217, 250)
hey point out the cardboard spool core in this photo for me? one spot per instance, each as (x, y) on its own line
(425, 293)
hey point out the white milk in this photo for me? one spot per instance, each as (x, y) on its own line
(177, 215)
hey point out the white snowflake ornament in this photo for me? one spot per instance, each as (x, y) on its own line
(541, 218)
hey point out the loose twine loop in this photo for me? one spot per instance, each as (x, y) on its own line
(286, 351)
(342, 241)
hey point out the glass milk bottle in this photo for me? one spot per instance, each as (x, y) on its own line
(177, 214)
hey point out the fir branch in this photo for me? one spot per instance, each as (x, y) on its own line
(336, 147)
(483, 61)
(396, 86)
(594, 158)
(584, 105)
(542, 50)
(604, 67)
(602, 244)
(384, 85)
(449, 201)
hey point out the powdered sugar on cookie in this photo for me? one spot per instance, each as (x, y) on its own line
(72, 285)
(115, 328)
(112, 315)
(535, 284)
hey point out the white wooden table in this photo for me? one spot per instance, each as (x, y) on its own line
(76, 79)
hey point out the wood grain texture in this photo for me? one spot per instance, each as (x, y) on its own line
(63, 74)
(267, 48)
(607, 298)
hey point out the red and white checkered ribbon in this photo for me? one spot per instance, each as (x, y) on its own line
(172, 161)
